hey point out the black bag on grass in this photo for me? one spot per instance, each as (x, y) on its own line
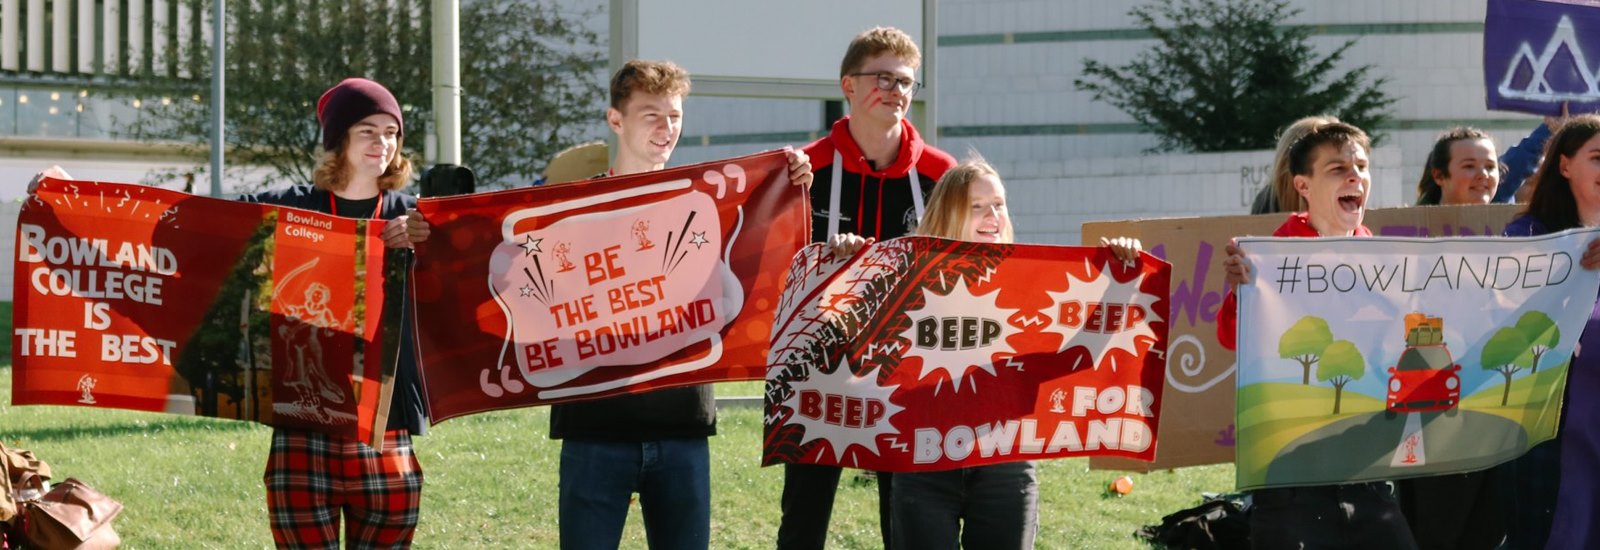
(1219, 523)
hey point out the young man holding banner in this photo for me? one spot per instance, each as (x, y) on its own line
(654, 443)
(313, 478)
(1329, 170)
(876, 171)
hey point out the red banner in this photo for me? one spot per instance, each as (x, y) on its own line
(929, 354)
(604, 287)
(140, 298)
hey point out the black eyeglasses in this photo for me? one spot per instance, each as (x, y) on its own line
(890, 81)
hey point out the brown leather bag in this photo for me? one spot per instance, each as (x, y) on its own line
(21, 474)
(71, 516)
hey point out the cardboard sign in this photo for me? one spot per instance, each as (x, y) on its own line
(930, 354)
(606, 286)
(1200, 378)
(140, 298)
(1365, 359)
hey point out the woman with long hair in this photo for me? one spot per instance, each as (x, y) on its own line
(990, 506)
(1566, 194)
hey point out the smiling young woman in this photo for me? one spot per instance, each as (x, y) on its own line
(1566, 195)
(1462, 168)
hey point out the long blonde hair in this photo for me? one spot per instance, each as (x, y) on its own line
(949, 207)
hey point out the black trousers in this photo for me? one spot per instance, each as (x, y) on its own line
(991, 507)
(1355, 516)
(1456, 511)
(808, 491)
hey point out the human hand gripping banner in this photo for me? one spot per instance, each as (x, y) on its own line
(140, 298)
(1538, 54)
(1200, 378)
(929, 354)
(1365, 359)
(604, 287)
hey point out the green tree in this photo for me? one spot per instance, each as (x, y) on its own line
(1506, 353)
(1305, 342)
(1341, 363)
(1541, 333)
(1228, 75)
(530, 75)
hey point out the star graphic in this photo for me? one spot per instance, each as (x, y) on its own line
(531, 246)
(526, 291)
(699, 239)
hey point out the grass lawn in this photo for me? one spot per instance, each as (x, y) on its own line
(5, 322)
(1535, 390)
(191, 482)
(1287, 411)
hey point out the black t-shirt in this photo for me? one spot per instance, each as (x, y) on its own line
(361, 208)
(672, 413)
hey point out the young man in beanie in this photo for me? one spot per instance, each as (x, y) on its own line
(312, 478)
(653, 443)
(875, 172)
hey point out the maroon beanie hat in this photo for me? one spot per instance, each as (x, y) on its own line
(344, 105)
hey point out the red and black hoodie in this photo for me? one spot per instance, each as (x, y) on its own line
(872, 203)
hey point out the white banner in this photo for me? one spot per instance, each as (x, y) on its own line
(1380, 358)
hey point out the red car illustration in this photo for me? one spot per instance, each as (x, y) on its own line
(1425, 378)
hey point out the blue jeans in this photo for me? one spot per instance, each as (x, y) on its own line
(672, 477)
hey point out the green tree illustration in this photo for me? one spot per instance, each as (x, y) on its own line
(1305, 342)
(1541, 333)
(1506, 353)
(1341, 363)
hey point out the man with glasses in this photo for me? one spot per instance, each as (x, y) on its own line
(872, 173)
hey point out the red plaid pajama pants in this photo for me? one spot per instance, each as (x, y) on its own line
(312, 478)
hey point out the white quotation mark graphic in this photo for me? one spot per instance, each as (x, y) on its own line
(716, 178)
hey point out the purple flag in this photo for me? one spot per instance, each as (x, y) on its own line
(1539, 53)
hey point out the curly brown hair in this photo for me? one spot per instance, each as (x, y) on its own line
(651, 77)
(332, 172)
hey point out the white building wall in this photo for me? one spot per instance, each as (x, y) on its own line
(8, 248)
(1021, 97)
(1050, 200)
(1054, 144)
(15, 173)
